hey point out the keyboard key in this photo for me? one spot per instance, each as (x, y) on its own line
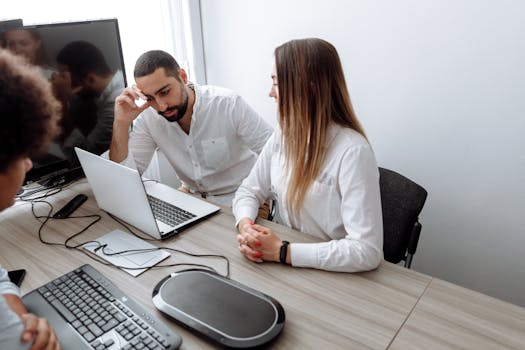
(95, 330)
(82, 330)
(110, 324)
(120, 317)
(168, 213)
(63, 311)
(97, 344)
(88, 336)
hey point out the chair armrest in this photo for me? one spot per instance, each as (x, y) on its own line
(414, 238)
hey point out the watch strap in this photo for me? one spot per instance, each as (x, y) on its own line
(283, 252)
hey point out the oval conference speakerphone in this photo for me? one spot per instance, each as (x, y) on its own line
(224, 310)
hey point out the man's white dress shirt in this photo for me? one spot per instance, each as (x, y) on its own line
(225, 137)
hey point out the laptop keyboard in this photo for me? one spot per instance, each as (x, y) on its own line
(168, 213)
(103, 315)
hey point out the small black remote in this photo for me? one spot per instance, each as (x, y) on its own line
(71, 206)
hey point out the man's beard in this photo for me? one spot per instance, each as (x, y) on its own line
(181, 110)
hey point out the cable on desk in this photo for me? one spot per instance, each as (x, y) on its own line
(207, 267)
(48, 191)
(166, 248)
(130, 230)
(48, 216)
(146, 250)
(28, 197)
(95, 257)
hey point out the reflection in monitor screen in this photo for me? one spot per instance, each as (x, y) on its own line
(84, 63)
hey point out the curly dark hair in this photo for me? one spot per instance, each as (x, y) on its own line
(28, 110)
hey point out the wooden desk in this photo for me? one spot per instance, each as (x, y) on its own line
(324, 310)
(449, 316)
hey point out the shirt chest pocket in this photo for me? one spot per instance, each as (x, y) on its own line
(320, 189)
(323, 197)
(216, 153)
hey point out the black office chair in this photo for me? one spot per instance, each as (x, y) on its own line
(402, 200)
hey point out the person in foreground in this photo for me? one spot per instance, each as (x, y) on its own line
(29, 115)
(318, 167)
(210, 135)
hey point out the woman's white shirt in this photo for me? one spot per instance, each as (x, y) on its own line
(342, 206)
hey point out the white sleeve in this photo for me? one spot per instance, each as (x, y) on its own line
(141, 146)
(251, 128)
(255, 188)
(11, 328)
(362, 247)
(6, 286)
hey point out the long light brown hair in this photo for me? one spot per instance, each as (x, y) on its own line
(312, 95)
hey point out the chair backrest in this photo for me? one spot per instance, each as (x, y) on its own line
(402, 200)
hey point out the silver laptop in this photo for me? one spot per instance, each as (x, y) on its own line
(154, 208)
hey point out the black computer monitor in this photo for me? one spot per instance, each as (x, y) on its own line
(9, 24)
(72, 47)
(6, 24)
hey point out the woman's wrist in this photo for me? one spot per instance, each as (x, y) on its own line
(243, 222)
(16, 304)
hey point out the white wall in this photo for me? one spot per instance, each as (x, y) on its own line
(440, 89)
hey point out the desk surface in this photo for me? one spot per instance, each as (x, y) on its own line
(389, 307)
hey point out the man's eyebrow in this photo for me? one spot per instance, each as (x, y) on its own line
(162, 88)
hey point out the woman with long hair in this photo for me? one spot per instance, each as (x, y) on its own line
(318, 167)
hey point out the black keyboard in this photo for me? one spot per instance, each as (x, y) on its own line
(169, 213)
(104, 315)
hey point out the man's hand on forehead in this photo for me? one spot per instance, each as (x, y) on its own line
(141, 98)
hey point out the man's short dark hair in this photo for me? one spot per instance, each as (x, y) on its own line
(150, 61)
(83, 58)
(28, 110)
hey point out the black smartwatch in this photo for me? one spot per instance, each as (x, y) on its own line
(283, 252)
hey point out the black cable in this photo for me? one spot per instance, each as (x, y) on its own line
(130, 230)
(92, 255)
(49, 191)
(48, 216)
(146, 250)
(104, 262)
